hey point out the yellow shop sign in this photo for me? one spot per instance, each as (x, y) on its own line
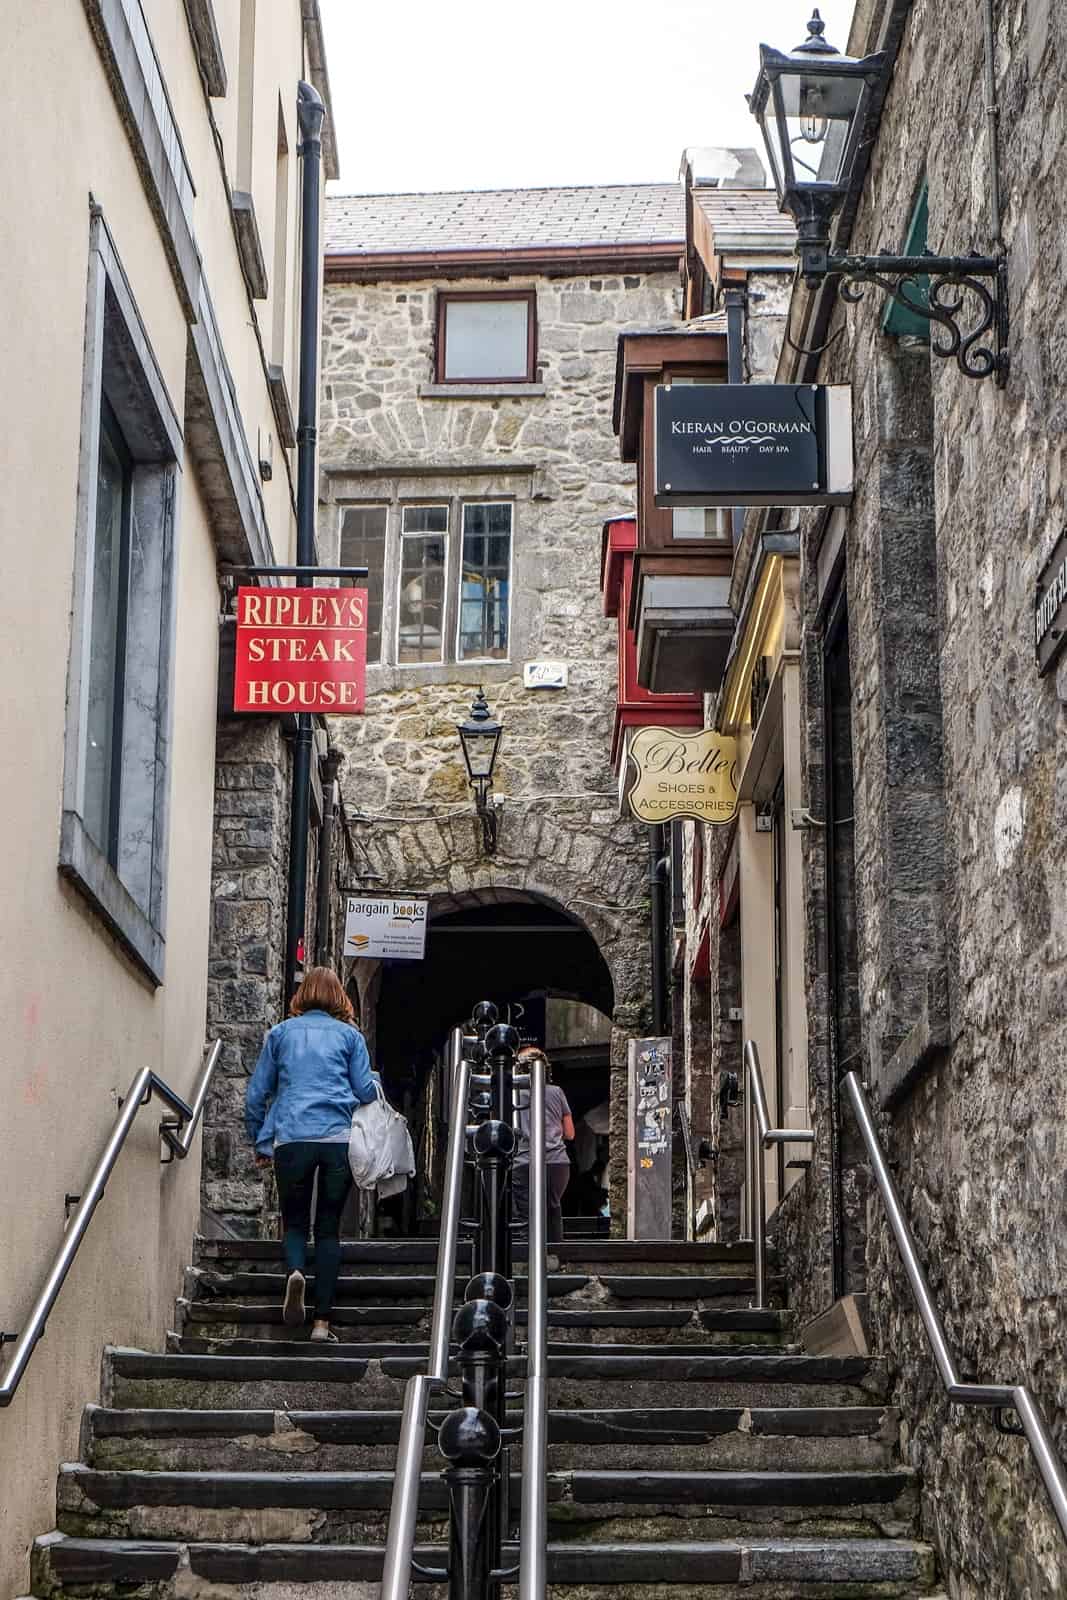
(678, 774)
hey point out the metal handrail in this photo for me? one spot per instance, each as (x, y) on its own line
(999, 1397)
(759, 1135)
(175, 1132)
(404, 1506)
(534, 1502)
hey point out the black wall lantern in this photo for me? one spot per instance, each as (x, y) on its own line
(814, 107)
(480, 738)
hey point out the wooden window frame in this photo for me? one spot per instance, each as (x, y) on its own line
(445, 297)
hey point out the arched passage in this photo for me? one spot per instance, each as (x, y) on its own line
(541, 965)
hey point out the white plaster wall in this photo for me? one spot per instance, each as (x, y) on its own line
(79, 1019)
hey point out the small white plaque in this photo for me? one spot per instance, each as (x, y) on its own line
(544, 675)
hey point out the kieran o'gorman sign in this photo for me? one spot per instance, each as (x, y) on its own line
(753, 444)
(678, 774)
(389, 927)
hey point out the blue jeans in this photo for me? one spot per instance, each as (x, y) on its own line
(295, 1166)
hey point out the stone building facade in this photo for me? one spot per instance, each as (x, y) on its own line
(902, 752)
(934, 755)
(143, 160)
(414, 462)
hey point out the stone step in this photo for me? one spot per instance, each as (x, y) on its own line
(260, 1286)
(758, 1569)
(825, 1438)
(591, 1256)
(138, 1378)
(738, 1326)
(297, 1342)
(383, 1255)
(240, 1319)
(602, 1289)
(335, 1507)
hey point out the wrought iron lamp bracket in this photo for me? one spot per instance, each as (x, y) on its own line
(967, 300)
(487, 815)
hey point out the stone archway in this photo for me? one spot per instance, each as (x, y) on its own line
(586, 870)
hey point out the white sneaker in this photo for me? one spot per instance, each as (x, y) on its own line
(322, 1335)
(293, 1309)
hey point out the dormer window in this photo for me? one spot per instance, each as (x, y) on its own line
(487, 338)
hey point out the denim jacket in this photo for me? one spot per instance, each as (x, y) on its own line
(311, 1074)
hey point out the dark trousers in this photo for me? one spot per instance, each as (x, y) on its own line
(557, 1177)
(295, 1166)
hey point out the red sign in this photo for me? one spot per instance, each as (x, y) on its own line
(301, 650)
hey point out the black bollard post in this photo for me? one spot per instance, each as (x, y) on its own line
(488, 1389)
(495, 1151)
(470, 1441)
(480, 1330)
(494, 1144)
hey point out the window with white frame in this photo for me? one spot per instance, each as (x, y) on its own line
(433, 598)
(114, 836)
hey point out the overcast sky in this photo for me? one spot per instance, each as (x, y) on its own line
(480, 94)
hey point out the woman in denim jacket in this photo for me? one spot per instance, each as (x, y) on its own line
(311, 1074)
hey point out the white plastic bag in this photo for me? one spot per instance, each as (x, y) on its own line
(380, 1151)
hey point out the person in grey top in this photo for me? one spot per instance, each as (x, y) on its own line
(559, 1127)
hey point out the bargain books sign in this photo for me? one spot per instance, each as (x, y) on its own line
(386, 927)
(301, 650)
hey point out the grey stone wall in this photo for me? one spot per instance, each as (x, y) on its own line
(245, 969)
(961, 802)
(385, 439)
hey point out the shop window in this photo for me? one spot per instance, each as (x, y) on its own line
(421, 605)
(486, 338)
(485, 582)
(363, 545)
(114, 837)
(701, 522)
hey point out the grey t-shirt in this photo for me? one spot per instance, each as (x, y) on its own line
(556, 1108)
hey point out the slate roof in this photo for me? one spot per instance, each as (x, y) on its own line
(505, 219)
(745, 218)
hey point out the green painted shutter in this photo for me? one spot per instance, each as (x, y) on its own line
(898, 319)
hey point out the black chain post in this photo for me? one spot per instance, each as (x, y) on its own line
(489, 1390)
(470, 1441)
(494, 1145)
(472, 1444)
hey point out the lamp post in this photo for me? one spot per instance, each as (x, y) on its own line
(814, 107)
(479, 738)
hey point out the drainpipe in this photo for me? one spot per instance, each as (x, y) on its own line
(310, 111)
(734, 300)
(658, 863)
(992, 114)
(330, 795)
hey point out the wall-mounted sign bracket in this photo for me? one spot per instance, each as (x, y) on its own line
(966, 297)
(231, 572)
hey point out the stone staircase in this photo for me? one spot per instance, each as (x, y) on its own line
(693, 1449)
